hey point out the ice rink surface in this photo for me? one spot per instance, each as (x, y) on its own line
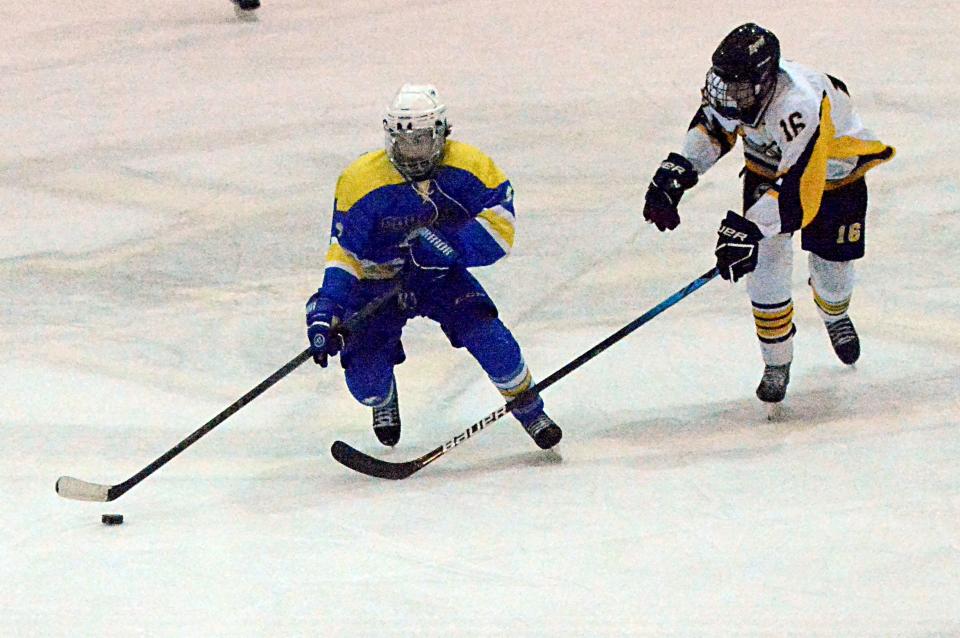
(166, 179)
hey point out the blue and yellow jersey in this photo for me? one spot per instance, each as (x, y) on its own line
(469, 201)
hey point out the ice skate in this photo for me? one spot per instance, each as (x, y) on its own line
(845, 341)
(245, 9)
(541, 428)
(773, 385)
(544, 432)
(386, 422)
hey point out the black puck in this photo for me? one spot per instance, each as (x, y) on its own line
(112, 519)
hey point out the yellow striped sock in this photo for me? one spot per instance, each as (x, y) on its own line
(774, 321)
(833, 309)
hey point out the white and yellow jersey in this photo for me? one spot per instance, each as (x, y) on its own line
(810, 139)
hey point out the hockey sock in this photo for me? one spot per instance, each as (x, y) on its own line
(830, 311)
(516, 384)
(775, 330)
(832, 285)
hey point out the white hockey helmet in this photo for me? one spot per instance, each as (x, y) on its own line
(415, 130)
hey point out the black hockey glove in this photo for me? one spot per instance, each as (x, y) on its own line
(674, 176)
(323, 317)
(737, 246)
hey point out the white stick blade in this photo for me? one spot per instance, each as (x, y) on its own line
(69, 487)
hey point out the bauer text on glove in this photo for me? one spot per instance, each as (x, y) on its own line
(674, 176)
(738, 241)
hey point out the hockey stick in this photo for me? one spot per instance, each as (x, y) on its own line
(73, 488)
(366, 464)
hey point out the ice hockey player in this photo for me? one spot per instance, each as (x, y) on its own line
(423, 210)
(806, 152)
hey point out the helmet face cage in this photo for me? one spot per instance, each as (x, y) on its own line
(415, 130)
(730, 98)
(413, 149)
(738, 99)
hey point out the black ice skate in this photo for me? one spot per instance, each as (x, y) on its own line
(386, 422)
(544, 431)
(846, 342)
(773, 385)
(245, 9)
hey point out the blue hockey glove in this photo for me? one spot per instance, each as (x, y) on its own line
(738, 242)
(323, 317)
(674, 176)
(431, 256)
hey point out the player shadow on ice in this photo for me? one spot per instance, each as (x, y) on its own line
(651, 439)
(738, 428)
(318, 477)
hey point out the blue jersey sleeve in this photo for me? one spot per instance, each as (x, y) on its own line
(488, 237)
(348, 237)
(482, 191)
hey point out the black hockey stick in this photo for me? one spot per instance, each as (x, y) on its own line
(366, 464)
(73, 488)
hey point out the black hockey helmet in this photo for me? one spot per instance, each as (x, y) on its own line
(744, 73)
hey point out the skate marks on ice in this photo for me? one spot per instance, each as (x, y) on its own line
(62, 40)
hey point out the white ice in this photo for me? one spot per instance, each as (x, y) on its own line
(166, 177)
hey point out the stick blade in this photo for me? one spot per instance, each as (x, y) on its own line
(366, 464)
(73, 488)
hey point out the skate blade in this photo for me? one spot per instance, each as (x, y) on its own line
(775, 411)
(245, 15)
(553, 454)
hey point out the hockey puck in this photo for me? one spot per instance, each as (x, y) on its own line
(112, 519)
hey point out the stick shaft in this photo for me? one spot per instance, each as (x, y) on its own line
(366, 464)
(74, 488)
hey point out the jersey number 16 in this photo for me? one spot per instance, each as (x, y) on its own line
(849, 233)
